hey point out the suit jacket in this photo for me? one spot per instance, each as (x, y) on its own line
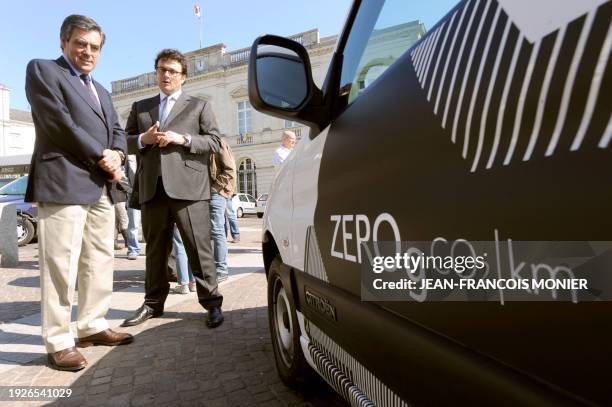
(71, 134)
(184, 170)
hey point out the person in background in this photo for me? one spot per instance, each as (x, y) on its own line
(185, 282)
(121, 215)
(133, 243)
(223, 175)
(231, 223)
(287, 143)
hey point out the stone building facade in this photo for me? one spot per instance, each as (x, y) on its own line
(16, 127)
(220, 76)
(16, 138)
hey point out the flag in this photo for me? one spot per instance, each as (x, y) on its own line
(196, 10)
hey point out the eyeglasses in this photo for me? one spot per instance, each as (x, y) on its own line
(160, 70)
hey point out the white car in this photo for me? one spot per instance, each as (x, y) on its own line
(261, 205)
(243, 203)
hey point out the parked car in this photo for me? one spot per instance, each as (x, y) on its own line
(261, 205)
(4, 181)
(493, 126)
(243, 204)
(27, 213)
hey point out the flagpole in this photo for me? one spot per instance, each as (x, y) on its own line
(196, 10)
(200, 18)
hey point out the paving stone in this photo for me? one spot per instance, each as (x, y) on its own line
(232, 385)
(187, 385)
(166, 397)
(121, 400)
(271, 403)
(243, 396)
(122, 380)
(99, 389)
(142, 399)
(264, 396)
(143, 379)
(218, 402)
(190, 395)
(101, 380)
(103, 372)
(143, 389)
(289, 397)
(73, 401)
(213, 394)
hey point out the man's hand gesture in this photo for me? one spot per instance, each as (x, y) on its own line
(152, 135)
(170, 137)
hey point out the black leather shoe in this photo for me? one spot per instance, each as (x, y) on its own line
(141, 315)
(215, 317)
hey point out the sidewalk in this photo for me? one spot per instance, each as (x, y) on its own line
(175, 359)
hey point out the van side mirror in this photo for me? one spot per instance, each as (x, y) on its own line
(281, 77)
(280, 80)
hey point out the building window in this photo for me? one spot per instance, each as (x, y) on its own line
(244, 117)
(289, 124)
(295, 128)
(201, 63)
(247, 177)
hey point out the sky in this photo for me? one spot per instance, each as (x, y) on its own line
(137, 29)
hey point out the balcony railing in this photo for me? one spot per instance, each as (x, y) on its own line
(267, 136)
(298, 38)
(241, 55)
(244, 139)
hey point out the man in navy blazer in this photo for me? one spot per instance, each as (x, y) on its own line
(77, 158)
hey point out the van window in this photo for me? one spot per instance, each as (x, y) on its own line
(381, 33)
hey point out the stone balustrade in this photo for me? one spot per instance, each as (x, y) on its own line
(265, 136)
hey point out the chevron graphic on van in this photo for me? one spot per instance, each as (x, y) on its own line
(345, 374)
(506, 90)
(313, 264)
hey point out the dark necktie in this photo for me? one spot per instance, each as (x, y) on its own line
(87, 79)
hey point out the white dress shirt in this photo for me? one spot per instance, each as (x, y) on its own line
(279, 156)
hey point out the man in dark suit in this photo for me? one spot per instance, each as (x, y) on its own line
(174, 133)
(77, 157)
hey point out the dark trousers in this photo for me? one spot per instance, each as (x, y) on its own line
(193, 221)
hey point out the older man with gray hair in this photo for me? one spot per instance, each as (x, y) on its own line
(287, 143)
(77, 159)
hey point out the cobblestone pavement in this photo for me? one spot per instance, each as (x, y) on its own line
(175, 359)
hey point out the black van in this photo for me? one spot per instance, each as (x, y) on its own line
(494, 126)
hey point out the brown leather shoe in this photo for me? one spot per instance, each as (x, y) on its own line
(67, 359)
(107, 337)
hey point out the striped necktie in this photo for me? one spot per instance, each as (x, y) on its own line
(87, 79)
